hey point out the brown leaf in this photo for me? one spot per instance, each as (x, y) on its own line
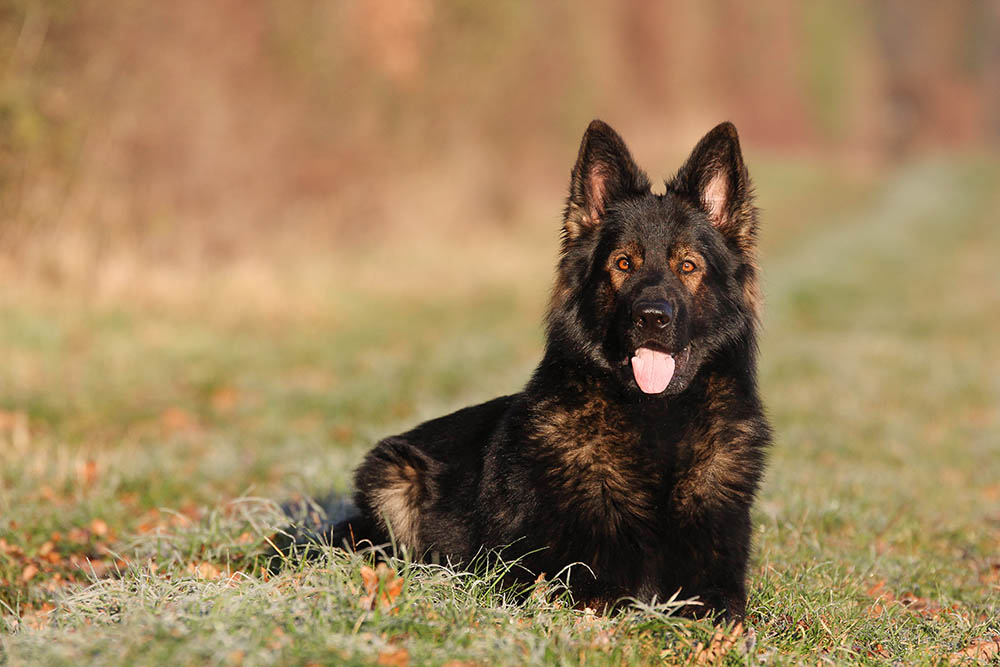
(394, 658)
(78, 536)
(29, 572)
(879, 651)
(909, 601)
(981, 650)
(717, 648)
(923, 606)
(381, 585)
(205, 570)
(99, 527)
(38, 619)
(10, 549)
(541, 588)
(991, 575)
(369, 578)
(152, 521)
(879, 589)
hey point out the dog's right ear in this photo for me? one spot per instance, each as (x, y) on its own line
(604, 172)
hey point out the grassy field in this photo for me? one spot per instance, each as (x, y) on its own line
(145, 440)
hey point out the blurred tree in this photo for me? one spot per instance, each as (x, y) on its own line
(220, 124)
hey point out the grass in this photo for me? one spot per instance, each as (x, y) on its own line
(145, 442)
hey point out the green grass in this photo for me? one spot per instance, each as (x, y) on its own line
(144, 444)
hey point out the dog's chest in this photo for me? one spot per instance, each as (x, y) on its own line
(593, 463)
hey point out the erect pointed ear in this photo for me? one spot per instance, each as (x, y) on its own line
(604, 172)
(715, 179)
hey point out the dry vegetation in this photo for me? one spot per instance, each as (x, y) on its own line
(240, 241)
(145, 445)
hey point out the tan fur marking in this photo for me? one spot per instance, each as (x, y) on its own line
(590, 439)
(577, 220)
(397, 504)
(721, 457)
(618, 277)
(691, 281)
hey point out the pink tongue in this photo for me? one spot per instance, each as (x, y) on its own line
(652, 369)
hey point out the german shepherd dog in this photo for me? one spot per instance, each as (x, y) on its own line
(637, 446)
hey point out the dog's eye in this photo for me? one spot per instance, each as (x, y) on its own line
(687, 266)
(623, 264)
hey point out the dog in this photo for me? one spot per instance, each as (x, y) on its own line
(637, 446)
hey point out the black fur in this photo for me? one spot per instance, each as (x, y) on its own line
(652, 492)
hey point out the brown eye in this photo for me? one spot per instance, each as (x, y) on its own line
(623, 264)
(687, 266)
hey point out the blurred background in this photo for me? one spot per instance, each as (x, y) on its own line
(137, 138)
(240, 240)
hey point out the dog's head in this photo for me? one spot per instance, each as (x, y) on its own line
(651, 286)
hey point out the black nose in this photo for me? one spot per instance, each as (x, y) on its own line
(652, 314)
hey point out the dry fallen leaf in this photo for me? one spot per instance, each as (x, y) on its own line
(99, 527)
(879, 651)
(205, 570)
(29, 572)
(78, 536)
(876, 610)
(909, 601)
(877, 588)
(382, 586)
(394, 658)
(10, 549)
(38, 619)
(982, 650)
(541, 588)
(717, 648)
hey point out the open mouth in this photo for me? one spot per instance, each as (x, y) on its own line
(653, 367)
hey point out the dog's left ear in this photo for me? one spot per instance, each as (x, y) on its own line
(715, 179)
